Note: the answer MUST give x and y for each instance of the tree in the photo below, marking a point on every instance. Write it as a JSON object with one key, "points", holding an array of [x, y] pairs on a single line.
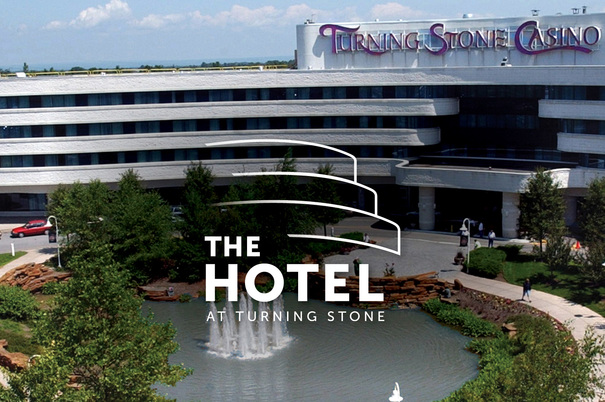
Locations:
{"points": [[137, 223], [592, 213], [542, 207], [140, 228], [95, 332], [540, 363], [558, 251], [199, 215], [200, 218], [591, 262], [276, 220], [82, 211], [324, 190]]}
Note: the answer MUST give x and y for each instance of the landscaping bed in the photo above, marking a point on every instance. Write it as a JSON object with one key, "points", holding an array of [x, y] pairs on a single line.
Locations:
{"points": [[497, 309]]}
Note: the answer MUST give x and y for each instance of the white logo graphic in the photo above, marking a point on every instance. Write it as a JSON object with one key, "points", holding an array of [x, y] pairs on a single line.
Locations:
{"points": [[314, 203]]}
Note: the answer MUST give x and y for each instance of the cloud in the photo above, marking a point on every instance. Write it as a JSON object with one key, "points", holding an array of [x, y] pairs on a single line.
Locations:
{"points": [[155, 21], [93, 16], [54, 25], [246, 16], [238, 16], [394, 11]]}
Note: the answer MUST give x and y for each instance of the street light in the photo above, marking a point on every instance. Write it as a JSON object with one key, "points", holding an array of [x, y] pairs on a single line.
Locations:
{"points": [[58, 244], [464, 240]]}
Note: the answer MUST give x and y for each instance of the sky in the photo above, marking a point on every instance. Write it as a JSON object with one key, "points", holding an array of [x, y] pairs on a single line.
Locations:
{"points": [[130, 33]]}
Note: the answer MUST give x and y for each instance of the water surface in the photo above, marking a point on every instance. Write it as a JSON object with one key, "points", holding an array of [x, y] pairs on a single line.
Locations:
{"points": [[325, 361]]}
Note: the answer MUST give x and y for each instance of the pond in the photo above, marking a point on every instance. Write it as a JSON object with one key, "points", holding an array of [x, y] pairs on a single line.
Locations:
{"points": [[331, 356]]}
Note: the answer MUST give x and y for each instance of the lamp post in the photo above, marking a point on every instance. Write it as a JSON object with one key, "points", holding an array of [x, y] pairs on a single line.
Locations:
{"points": [[58, 244], [465, 240]]}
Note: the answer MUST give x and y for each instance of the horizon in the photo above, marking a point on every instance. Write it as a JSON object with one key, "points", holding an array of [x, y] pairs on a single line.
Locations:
{"points": [[126, 64]]}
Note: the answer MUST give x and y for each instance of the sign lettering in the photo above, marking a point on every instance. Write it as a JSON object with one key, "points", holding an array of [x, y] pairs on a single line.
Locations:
{"points": [[529, 38]]}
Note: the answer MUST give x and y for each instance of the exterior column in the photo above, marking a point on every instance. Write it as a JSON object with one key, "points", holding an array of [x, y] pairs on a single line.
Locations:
{"points": [[571, 204], [361, 199], [426, 208], [510, 214]]}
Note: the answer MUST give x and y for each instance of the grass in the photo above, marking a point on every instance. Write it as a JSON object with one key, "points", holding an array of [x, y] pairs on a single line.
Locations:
{"points": [[8, 257], [568, 284], [18, 337]]}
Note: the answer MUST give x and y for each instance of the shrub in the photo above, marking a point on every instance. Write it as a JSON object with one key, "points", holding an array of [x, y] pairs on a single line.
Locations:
{"points": [[538, 364], [16, 303], [322, 248], [51, 288], [185, 298], [512, 251], [485, 262], [353, 236], [466, 320]]}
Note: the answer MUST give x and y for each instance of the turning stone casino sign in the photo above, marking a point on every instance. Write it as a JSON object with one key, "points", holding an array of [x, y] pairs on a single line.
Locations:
{"points": [[528, 38]]}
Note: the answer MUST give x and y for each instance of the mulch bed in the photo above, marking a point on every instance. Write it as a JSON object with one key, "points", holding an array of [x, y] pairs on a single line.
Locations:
{"points": [[498, 309]]}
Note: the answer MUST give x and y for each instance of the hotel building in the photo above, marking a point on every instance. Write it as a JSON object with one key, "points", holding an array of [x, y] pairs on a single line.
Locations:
{"points": [[447, 118]]}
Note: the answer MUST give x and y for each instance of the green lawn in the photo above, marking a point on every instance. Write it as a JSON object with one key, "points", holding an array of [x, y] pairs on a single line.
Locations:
{"points": [[569, 284], [7, 257]]}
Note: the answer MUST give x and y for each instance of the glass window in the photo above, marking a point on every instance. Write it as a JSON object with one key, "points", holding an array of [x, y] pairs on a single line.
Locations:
{"points": [[72, 159], [251, 94], [179, 155]]}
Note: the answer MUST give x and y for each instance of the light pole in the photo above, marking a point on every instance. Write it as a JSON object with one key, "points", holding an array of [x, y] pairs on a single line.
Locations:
{"points": [[58, 244], [466, 233]]}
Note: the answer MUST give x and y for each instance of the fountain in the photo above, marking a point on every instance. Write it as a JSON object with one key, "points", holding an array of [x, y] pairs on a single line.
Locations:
{"points": [[248, 332]]}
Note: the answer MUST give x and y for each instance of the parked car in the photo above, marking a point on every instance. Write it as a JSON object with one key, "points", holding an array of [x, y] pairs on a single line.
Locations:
{"points": [[32, 228]]}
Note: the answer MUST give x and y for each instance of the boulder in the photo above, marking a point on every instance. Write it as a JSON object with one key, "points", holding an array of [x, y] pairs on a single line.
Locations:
{"points": [[13, 361]]}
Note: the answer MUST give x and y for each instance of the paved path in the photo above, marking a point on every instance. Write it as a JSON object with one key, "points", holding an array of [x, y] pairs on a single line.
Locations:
{"points": [[431, 251], [36, 256]]}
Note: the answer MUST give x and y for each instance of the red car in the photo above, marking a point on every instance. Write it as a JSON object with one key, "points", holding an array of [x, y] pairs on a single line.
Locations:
{"points": [[32, 228]]}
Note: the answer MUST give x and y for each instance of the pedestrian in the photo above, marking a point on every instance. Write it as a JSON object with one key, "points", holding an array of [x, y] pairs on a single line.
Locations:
{"points": [[366, 238], [526, 289], [477, 244], [356, 263], [481, 230], [490, 238]]}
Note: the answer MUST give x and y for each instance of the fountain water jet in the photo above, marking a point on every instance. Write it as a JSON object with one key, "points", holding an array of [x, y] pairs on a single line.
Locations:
{"points": [[248, 333]]}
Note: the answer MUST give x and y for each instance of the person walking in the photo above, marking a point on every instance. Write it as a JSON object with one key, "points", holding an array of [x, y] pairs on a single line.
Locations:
{"points": [[526, 289], [490, 238], [356, 263]]}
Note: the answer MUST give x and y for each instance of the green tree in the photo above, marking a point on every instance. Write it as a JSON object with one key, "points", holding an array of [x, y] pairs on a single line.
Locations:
{"points": [[558, 251], [542, 207], [324, 190], [82, 211], [590, 262], [276, 220], [592, 213], [539, 364], [200, 218], [95, 332], [137, 223], [140, 228]]}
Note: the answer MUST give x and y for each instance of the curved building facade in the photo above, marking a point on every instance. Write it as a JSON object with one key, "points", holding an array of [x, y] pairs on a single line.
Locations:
{"points": [[446, 118]]}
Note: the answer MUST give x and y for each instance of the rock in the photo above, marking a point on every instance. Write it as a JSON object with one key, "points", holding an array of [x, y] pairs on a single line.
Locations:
{"points": [[13, 361], [33, 276]]}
